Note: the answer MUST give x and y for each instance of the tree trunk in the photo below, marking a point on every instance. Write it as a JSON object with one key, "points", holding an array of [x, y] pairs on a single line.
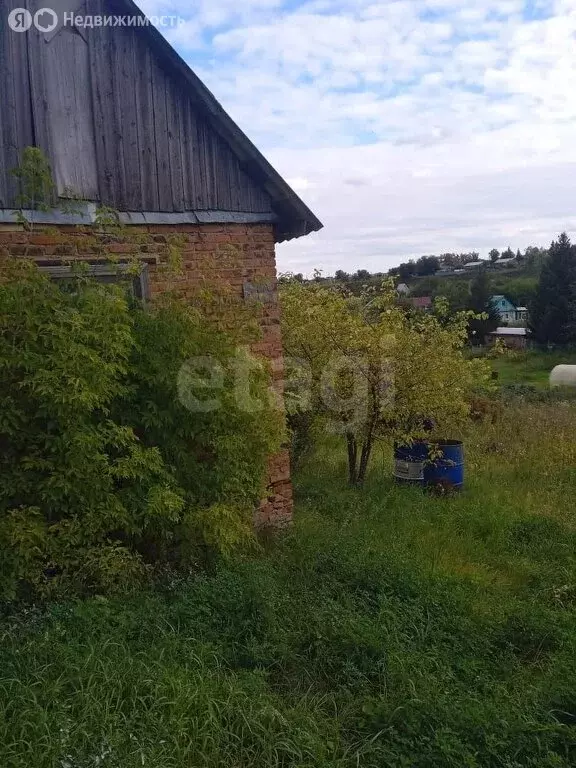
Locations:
{"points": [[352, 458], [367, 445], [364, 459]]}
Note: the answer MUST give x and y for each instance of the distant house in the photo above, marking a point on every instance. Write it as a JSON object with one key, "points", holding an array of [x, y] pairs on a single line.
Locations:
{"points": [[421, 302], [403, 289], [472, 265], [513, 338], [509, 313]]}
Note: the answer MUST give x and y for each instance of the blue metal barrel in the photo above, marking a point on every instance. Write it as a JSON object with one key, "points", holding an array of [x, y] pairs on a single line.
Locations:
{"points": [[409, 462], [448, 469]]}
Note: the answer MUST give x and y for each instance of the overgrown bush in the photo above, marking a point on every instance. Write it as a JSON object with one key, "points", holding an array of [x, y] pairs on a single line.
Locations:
{"points": [[105, 465], [375, 372], [301, 428]]}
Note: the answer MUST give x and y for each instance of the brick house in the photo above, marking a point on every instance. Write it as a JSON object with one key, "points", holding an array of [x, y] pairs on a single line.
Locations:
{"points": [[125, 123]]}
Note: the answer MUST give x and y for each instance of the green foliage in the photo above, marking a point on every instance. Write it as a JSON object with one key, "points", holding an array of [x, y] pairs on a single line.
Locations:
{"points": [[217, 438], [520, 290], [553, 310], [376, 371], [37, 189], [427, 265], [102, 467], [107, 219], [487, 318], [388, 629], [301, 425]]}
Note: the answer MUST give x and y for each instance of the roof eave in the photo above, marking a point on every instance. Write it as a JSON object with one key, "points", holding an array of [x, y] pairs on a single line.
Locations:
{"points": [[291, 209]]}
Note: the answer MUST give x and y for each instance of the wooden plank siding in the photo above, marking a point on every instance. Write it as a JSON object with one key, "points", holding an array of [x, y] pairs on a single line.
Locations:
{"points": [[15, 107], [71, 126], [148, 171], [103, 108], [119, 126]]}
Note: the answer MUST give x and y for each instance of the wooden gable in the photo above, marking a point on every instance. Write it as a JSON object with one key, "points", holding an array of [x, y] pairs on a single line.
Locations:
{"points": [[125, 123]]}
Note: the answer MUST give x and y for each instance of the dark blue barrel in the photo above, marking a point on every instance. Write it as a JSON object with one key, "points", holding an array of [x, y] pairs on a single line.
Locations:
{"points": [[448, 469], [409, 462]]}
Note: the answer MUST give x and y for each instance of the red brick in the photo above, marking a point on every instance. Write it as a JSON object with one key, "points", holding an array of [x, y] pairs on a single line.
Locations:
{"points": [[121, 248], [44, 240]]}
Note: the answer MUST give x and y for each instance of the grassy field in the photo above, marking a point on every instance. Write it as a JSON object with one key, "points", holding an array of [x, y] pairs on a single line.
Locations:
{"points": [[388, 629], [532, 367]]}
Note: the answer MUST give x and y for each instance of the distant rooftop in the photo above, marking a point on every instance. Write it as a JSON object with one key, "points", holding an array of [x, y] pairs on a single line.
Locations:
{"points": [[421, 302], [506, 331]]}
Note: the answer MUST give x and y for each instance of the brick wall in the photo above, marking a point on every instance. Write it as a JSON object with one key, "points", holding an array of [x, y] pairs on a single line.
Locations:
{"points": [[212, 254]]}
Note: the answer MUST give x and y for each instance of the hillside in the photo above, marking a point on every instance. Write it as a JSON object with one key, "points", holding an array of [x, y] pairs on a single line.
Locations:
{"points": [[517, 281], [517, 284]]}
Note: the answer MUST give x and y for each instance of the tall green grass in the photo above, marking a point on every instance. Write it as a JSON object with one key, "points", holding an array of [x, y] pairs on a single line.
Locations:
{"points": [[531, 367], [388, 628]]}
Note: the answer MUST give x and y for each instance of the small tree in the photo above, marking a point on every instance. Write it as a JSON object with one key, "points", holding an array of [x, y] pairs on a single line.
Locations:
{"points": [[406, 270], [374, 371], [494, 255], [553, 310], [427, 265], [535, 257]]}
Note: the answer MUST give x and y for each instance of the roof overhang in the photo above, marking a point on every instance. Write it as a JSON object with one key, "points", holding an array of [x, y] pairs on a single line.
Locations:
{"points": [[295, 219]]}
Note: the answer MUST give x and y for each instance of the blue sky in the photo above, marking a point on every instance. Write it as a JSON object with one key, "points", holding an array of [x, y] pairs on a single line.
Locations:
{"points": [[410, 127]]}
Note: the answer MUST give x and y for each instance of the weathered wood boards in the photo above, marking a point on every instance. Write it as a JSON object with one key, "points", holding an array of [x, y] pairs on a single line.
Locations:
{"points": [[116, 124]]}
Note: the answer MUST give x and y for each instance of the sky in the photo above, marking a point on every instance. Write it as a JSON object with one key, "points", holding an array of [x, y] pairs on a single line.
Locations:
{"points": [[409, 127]]}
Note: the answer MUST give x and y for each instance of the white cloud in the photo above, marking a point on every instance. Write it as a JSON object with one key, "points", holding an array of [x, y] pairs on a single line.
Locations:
{"points": [[409, 126]]}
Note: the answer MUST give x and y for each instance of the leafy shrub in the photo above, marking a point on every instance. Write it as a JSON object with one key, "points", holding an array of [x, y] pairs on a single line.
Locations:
{"points": [[301, 426], [376, 372], [103, 466]]}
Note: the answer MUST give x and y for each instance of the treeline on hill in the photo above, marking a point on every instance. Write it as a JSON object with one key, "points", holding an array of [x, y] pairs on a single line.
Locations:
{"points": [[449, 263], [514, 275], [544, 280], [453, 262]]}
